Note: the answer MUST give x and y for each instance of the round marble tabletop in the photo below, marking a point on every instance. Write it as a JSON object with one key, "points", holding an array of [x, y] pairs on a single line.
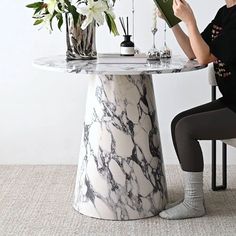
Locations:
{"points": [[174, 65]]}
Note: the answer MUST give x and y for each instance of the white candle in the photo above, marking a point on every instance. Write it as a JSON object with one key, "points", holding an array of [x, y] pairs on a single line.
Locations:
{"points": [[154, 17]]}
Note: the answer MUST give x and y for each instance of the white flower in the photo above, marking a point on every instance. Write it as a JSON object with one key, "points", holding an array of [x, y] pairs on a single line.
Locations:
{"points": [[93, 10], [53, 6], [46, 22]]}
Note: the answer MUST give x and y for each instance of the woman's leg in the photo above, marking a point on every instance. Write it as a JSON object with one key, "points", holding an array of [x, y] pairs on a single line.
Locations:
{"points": [[215, 105], [205, 107], [209, 121]]}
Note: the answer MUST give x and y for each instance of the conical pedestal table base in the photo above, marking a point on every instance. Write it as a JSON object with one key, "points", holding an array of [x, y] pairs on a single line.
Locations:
{"points": [[120, 173]]}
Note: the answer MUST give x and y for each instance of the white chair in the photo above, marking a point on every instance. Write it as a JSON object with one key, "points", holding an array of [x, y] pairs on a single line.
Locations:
{"points": [[231, 142]]}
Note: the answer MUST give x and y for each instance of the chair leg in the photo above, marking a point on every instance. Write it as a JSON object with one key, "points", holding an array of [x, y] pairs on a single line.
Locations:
{"points": [[224, 159], [224, 167], [213, 153]]}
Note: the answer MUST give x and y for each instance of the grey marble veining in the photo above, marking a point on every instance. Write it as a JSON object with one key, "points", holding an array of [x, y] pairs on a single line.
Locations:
{"points": [[174, 65], [120, 172]]}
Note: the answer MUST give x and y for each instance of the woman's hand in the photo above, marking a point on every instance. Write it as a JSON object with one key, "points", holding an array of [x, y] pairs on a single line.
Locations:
{"points": [[183, 11]]}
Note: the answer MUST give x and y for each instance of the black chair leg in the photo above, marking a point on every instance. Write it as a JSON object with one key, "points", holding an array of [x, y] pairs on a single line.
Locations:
{"points": [[224, 159], [224, 167]]}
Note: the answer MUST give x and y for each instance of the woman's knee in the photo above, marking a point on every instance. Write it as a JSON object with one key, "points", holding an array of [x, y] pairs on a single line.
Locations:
{"points": [[176, 120], [183, 127]]}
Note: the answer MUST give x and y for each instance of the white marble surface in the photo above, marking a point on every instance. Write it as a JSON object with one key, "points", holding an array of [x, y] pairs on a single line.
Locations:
{"points": [[174, 65], [120, 172]]}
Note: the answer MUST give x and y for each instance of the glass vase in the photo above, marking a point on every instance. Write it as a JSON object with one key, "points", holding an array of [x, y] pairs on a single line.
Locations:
{"points": [[81, 44]]}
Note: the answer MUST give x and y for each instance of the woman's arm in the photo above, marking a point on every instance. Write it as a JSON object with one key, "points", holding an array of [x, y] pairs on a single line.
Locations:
{"points": [[199, 47], [181, 38], [183, 41]]}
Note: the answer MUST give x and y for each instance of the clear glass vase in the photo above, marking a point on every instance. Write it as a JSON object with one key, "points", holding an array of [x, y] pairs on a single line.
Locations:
{"points": [[81, 44]]}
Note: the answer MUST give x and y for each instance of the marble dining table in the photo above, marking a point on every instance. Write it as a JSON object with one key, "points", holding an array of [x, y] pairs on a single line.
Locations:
{"points": [[120, 173]]}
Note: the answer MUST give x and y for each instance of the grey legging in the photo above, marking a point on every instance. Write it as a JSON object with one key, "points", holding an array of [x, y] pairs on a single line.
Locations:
{"points": [[210, 121]]}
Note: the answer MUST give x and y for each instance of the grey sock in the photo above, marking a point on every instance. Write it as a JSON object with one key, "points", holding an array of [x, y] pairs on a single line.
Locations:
{"points": [[172, 204], [193, 204]]}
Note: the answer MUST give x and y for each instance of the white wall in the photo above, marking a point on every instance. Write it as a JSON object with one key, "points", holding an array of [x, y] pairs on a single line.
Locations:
{"points": [[41, 112]]}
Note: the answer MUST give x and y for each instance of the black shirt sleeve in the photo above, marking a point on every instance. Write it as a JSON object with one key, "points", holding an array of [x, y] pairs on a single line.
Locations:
{"points": [[206, 34], [224, 46]]}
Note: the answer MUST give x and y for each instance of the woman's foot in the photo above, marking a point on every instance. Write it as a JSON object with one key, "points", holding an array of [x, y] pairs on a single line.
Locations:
{"points": [[170, 205], [193, 204], [183, 210]]}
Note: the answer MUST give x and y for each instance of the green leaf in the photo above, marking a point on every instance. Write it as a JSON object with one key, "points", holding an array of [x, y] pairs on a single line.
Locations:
{"points": [[74, 13], [60, 21], [37, 22], [111, 24], [54, 14], [37, 10], [68, 4], [35, 5]]}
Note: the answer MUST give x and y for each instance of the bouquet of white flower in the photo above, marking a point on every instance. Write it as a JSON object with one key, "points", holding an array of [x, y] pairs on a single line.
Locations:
{"points": [[81, 18], [99, 10]]}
